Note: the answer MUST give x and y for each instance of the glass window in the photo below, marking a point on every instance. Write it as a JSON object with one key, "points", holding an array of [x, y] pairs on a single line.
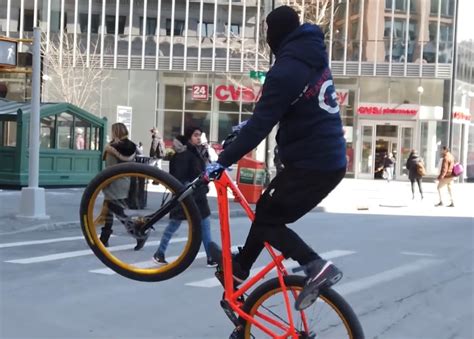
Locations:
{"points": [[8, 130], [433, 136], [231, 106], [172, 125], [150, 26], [82, 134], [56, 21], [234, 29], [47, 132], [65, 130], [248, 107], [83, 22], [28, 18], [95, 139], [178, 27], [110, 24], [197, 104], [173, 97], [226, 121], [207, 29], [201, 120]]}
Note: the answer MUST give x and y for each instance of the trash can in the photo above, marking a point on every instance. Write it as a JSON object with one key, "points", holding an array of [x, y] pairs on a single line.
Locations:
{"points": [[137, 195], [250, 178]]}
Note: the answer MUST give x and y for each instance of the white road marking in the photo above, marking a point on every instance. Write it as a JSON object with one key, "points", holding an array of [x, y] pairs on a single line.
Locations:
{"points": [[73, 254], [150, 263], [38, 242], [289, 264], [385, 276], [417, 254]]}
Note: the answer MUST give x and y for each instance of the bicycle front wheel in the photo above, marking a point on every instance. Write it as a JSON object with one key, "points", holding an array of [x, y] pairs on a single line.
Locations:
{"points": [[329, 317], [115, 208]]}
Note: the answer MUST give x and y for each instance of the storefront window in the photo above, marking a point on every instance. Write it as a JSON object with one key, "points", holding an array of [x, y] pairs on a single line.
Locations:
{"points": [[231, 106], [226, 121], [173, 97], [457, 140], [65, 130], [201, 120], [47, 132], [172, 125], [433, 137], [8, 130]]}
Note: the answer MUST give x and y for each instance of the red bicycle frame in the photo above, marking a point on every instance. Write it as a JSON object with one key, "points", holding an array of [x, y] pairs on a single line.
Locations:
{"points": [[231, 295]]}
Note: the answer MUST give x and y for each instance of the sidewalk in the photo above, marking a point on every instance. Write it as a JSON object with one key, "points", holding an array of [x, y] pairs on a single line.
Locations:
{"points": [[350, 197]]}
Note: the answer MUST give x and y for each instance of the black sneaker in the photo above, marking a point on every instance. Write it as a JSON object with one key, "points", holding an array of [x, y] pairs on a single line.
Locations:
{"points": [[451, 205], [211, 263], [439, 204], [321, 274], [239, 274], [159, 258]]}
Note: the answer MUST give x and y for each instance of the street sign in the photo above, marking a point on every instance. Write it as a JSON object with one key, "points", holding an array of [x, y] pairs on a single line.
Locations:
{"points": [[8, 52], [260, 75], [200, 92], [124, 115]]}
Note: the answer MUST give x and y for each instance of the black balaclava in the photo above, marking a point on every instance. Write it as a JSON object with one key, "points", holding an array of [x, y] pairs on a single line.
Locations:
{"points": [[281, 22]]}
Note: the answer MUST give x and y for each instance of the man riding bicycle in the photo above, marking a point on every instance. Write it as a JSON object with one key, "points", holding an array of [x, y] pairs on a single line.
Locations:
{"points": [[298, 94]]}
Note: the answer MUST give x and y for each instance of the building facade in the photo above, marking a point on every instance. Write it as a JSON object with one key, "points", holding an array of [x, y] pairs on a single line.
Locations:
{"points": [[175, 63]]}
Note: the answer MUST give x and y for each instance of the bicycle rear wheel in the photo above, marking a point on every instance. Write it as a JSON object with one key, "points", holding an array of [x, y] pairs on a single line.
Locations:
{"points": [[119, 202], [329, 317]]}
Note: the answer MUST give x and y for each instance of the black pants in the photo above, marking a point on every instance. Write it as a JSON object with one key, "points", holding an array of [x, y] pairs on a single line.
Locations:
{"points": [[290, 195], [418, 181], [113, 207]]}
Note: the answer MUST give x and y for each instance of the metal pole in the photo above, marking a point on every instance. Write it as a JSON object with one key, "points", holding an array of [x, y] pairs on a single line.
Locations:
{"points": [[453, 75], [33, 172], [33, 202]]}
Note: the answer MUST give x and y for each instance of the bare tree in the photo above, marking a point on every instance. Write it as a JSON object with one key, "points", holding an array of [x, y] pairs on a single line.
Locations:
{"points": [[310, 11], [71, 76]]}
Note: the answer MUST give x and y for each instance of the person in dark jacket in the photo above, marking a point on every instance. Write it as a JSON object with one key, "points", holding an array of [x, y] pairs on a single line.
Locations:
{"points": [[120, 149], [388, 166], [299, 94], [186, 165], [412, 166]]}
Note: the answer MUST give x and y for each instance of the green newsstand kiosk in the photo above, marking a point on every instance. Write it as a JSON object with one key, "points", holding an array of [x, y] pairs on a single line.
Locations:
{"points": [[71, 144]]}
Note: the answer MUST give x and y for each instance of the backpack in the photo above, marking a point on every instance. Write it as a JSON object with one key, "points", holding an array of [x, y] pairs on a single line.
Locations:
{"points": [[457, 169], [420, 169]]}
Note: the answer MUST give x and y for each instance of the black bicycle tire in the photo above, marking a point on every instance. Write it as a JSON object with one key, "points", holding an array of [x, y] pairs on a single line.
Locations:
{"points": [[343, 308], [188, 204]]}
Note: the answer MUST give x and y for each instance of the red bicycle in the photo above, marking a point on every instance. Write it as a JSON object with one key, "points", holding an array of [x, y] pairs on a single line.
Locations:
{"points": [[257, 310]]}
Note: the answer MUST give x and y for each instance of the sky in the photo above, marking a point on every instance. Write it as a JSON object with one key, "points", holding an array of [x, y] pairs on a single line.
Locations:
{"points": [[465, 25]]}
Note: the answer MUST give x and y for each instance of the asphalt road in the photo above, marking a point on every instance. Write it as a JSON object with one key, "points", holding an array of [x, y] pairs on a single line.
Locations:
{"points": [[405, 277]]}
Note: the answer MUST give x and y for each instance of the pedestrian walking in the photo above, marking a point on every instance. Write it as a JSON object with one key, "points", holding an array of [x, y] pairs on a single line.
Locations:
{"points": [[119, 150], [416, 171], [185, 165], [445, 177], [157, 148], [140, 148], [388, 166]]}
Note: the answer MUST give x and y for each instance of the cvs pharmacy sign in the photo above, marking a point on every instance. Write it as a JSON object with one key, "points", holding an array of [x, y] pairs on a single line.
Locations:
{"points": [[235, 93]]}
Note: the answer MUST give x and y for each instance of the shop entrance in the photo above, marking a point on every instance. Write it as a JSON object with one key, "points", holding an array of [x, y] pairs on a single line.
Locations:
{"points": [[379, 138]]}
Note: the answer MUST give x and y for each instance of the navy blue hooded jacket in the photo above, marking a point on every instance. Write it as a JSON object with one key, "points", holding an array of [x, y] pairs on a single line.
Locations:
{"points": [[310, 134]]}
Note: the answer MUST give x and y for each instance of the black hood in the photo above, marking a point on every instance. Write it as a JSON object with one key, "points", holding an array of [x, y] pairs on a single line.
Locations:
{"points": [[306, 43]]}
